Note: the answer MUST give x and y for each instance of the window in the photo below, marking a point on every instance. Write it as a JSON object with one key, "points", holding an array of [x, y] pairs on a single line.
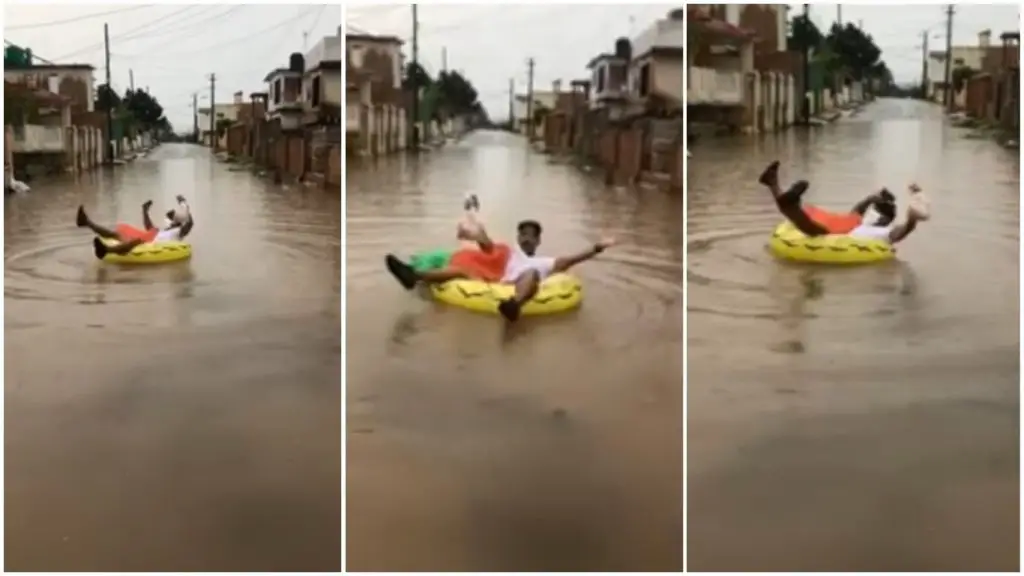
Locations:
{"points": [[644, 82], [315, 96], [602, 71]]}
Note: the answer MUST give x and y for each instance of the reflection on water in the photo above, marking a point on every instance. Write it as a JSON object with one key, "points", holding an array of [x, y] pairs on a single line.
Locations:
{"points": [[833, 413], [555, 445], [173, 417]]}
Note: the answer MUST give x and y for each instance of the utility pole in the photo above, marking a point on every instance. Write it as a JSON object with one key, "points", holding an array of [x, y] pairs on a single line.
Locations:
{"points": [[195, 116], [839, 14], [415, 132], [213, 113], [110, 109], [924, 65], [444, 58], [511, 100], [529, 99], [131, 80], [807, 69], [947, 94]]}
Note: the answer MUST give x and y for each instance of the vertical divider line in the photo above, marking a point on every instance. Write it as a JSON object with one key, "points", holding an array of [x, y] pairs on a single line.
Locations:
{"points": [[686, 154], [344, 289]]}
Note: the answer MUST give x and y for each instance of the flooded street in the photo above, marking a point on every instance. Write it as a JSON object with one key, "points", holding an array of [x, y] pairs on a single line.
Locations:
{"points": [[858, 419], [180, 417], [553, 445]]}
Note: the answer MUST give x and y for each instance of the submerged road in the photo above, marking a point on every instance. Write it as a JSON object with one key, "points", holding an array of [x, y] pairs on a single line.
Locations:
{"points": [[182, 417], [861, 419], [555, 445]]}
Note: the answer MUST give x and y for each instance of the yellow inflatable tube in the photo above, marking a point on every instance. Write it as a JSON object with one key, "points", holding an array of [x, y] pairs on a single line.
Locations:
{"points": [[155, 253], [557, 293], [789, 243]]}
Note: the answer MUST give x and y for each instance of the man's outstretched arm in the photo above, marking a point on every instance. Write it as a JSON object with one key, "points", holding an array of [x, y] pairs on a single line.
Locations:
{"points": [[564, 263]]}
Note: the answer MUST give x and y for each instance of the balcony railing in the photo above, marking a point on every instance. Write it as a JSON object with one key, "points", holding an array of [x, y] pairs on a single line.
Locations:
{"points": [[33, 138], [718, 87]]}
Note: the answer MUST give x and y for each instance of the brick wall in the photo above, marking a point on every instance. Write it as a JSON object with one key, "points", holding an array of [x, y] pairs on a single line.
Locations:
{"points": [[761, 19]]}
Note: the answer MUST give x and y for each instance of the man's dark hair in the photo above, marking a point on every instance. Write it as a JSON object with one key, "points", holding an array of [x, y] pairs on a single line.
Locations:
{"points": [[529, 225]]}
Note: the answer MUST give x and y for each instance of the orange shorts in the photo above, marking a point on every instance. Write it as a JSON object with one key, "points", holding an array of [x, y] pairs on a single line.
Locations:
{"points": [[834, 222], [128, 232], [486, 266]]}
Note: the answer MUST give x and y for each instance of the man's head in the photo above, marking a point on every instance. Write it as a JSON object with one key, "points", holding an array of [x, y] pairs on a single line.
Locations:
{"points": [[180, 219], [529, 236], [886, 213]]}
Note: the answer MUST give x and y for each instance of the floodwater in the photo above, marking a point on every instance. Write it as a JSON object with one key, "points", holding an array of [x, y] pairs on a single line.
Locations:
{"points": [[182, 417], [554, 445], [861, 419]]}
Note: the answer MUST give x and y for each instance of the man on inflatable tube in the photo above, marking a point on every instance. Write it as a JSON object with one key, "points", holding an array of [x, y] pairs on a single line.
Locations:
{"points": [[491, 261], [814, 221], [179, 224]]}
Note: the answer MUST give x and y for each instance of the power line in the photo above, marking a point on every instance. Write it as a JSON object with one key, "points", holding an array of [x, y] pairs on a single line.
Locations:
{"points": [[249, 36], [135, 31], [77, 18], [197, 28]]}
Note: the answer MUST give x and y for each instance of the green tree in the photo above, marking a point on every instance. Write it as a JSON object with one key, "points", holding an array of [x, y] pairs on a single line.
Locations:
{"points": [[106, 98], [960, 76], [145, 110], [803, 33], [415, 73], [855, 50]]}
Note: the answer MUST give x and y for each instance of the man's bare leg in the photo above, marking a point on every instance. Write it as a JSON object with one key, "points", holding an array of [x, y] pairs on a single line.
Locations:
{"points": [[147, 223], [409, 277], [788, 202], [526, 287], [83, 221]]}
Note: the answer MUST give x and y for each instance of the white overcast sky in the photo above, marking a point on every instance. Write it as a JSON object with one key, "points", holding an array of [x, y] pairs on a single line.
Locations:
{"points": [[175, 47], [897, 28], [491, 43]]}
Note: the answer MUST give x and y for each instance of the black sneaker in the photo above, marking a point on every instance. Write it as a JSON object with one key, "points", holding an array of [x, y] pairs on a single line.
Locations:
{"points": [[402, 272], [770, 176], [99, 248], [81, 219], [509, 309]]}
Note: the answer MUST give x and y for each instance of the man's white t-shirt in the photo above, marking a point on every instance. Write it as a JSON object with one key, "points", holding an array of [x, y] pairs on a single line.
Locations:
{"points": [[867, 232], [170, 235], [519, 263]]}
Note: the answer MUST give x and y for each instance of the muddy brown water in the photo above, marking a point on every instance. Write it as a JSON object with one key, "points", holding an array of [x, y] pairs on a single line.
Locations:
{"points": [[555, 445], [178, 417], [864, 418]]}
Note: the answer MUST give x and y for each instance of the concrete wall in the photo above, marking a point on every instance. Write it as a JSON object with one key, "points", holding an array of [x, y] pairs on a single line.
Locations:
{"points": [[32, 138], [330, 84], [328, 49], [667, 76]]}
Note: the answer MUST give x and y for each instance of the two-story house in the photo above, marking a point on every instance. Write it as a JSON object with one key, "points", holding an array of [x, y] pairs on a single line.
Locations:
{"points": [[739, 71], [321, 82], [284, 93], [657, 61], [376, 115]]}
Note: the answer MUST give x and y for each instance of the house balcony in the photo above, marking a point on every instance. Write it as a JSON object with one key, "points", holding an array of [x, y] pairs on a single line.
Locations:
{"points": [[708, 86], [31, 138]]}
